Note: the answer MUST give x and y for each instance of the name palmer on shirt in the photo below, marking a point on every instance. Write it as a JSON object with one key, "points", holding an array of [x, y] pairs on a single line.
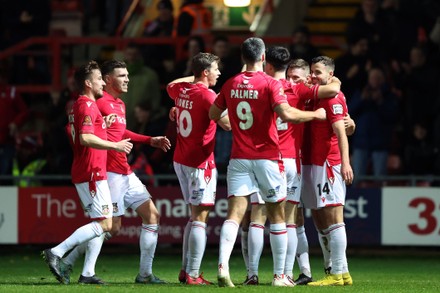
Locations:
{"points": [[244, 94]]}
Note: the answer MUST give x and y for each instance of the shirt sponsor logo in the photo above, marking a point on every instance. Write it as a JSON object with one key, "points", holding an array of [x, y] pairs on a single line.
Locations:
{"points": [[88, 208], [273, 192], [198, 193]]}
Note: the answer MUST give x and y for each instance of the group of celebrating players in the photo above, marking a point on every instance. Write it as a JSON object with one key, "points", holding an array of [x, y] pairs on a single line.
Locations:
{"points": [[290, 151]]}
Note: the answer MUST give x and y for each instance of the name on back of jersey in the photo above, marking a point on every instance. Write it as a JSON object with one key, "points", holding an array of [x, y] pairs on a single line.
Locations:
{"points": [[186, 104], [244, 94]]}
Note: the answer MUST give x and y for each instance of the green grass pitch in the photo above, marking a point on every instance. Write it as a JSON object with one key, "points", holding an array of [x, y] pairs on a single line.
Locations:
{"points": [[23, 270]]}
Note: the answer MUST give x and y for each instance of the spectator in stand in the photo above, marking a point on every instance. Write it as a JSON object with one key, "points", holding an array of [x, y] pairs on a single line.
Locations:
{"points": [[230, 64], [194, 19], [415, 21], [353, 65], [375, 109], [24, 19], [373, 22], [144, 86], [301, 47], [13, 114], [418, 81], [420, 152], [193, 46], [436, 134], [114, 13], [158, 56], [57, 143], [160, 162], [29, 159]]}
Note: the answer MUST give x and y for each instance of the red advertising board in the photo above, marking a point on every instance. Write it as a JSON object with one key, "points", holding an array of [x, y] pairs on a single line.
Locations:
{"points": [[50, 214]]}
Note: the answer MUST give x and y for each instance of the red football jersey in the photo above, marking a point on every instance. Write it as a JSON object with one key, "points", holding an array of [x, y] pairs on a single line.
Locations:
{"points": [[195, 131], [89, 164], [116, 161], [250, 98], [324, 144], [290, 135]]}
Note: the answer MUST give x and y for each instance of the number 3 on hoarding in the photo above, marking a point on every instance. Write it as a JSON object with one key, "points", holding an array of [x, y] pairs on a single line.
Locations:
{"points": [[427, 214]]}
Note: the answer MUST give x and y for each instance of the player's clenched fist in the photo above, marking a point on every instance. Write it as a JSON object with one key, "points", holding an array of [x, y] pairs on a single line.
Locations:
{"points": [[320, 114]]}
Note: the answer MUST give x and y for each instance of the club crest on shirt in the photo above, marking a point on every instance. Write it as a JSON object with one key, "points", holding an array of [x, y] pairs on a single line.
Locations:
{"points": [[105, 209], [337, 109], [87, 121]]}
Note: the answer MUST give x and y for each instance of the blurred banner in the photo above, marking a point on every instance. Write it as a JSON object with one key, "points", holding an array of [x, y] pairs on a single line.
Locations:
{"points": [[388, 216]]}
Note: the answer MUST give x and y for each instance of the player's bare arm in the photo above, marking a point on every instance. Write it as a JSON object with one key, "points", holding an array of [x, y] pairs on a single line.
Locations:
{"points": [[224, 121], [350, 125], [215, 113], [329, 90], [346, 170], [160, 142], [291, 114], [91, 140], [172, 114]]}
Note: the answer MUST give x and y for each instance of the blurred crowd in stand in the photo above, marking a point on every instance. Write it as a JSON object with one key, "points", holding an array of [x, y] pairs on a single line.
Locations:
{"points": [[389, 72]]}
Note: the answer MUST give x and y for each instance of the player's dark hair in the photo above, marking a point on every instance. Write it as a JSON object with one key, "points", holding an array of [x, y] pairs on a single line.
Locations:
{"points": [[252, 49], [84, 73], [327, 61], [202, 61], [109, 66], [278, 57]]}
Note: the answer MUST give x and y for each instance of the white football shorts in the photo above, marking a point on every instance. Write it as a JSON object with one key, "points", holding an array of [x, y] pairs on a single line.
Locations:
{"points": [[95, 199], [198, 186], [322, 186], [127, 191], [265, 177]]}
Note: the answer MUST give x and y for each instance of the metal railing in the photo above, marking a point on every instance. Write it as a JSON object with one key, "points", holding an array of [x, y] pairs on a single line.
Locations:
{"points": [[55, 45]]}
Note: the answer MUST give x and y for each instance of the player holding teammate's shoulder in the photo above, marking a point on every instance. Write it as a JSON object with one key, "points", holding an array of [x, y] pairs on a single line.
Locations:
{"points": [[194, 156]]}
